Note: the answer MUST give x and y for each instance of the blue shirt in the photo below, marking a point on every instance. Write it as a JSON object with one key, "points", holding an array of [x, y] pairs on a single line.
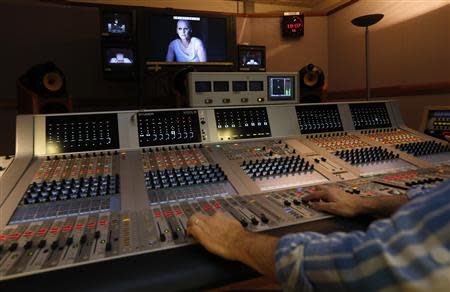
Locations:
{"points": [[408, 252]]}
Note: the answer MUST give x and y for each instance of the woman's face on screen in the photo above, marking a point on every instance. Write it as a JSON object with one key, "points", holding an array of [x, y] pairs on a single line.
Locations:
{"points": [[183, 29]]}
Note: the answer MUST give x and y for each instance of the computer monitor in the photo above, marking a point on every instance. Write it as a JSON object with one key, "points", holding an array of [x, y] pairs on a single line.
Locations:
{"points": [[117, 24], [177, 37], [251, 58]]}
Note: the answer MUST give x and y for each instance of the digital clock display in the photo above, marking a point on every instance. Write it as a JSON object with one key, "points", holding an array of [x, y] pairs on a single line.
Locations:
{"points": [[293, 25]]}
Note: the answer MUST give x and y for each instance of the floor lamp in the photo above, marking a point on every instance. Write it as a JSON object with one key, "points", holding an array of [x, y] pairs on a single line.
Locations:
{"points": [[366, 21]]}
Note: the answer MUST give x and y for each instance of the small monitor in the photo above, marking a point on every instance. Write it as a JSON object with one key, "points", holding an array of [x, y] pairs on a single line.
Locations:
{"points": [[252, 58], [119, 62], [117, 24], [281, 88], [118, 58]]}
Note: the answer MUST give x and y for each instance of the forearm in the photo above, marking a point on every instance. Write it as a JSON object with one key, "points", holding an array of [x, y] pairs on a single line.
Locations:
{"points": [[258, 252], [381, 206]]}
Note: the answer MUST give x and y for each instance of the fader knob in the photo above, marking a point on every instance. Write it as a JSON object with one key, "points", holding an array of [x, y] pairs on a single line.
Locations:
{"points": [[69, 241], [13, 247], [28, 245], [254, 221], [264, 219], [244, 222], [108, 246], [42, 243], [54, 245], [83, 239]]}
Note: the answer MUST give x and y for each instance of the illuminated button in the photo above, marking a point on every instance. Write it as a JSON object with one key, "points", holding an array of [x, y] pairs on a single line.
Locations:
{"points": [[208, 100], [244, 99], [226, 100], [260, 99]]}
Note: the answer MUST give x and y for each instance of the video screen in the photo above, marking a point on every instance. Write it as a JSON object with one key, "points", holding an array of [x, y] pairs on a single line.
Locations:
{"points": [[281, 88], [117, 23], [77, 133], [168, 128], [242, 123], [181, 38], [119, 56]]}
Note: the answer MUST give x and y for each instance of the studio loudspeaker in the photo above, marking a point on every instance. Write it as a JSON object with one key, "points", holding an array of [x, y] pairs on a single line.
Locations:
{"points": [[312, 80], [42, 90]]}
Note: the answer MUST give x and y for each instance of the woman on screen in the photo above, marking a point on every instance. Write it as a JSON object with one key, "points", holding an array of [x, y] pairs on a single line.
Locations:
{"points": [[185, 48]]}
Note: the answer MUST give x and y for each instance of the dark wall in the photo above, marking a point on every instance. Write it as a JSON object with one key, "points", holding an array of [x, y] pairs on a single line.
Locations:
{"points": [[67, 35]]}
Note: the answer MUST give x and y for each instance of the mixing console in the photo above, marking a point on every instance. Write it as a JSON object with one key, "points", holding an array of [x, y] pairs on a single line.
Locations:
{"points": [[436, 121], [427, 149], [71, 185], [367, 159], [391, 136], [85, 188], [178, 173]]}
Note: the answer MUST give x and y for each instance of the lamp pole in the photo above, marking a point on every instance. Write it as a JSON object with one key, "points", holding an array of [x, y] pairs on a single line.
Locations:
{"points": [[366, 21]]}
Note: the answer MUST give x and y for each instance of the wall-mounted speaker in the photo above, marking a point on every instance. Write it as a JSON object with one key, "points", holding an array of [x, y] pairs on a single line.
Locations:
{"points": [[42, 90], [312, 80]]}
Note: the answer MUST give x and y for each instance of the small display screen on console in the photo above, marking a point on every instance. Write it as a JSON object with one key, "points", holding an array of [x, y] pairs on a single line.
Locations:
{"points": [[76, 133], [281, 88], [168, 128], [242, 123], [370, 115], [318, 118]]}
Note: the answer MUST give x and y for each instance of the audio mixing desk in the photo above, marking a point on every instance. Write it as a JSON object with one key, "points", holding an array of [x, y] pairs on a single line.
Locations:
{"points": [[92, 192]]}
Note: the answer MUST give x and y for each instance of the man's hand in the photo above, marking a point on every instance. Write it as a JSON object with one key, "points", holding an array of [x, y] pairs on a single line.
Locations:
{"points": [[338, 202], [224, 236], [334, 201], [219, 233]]}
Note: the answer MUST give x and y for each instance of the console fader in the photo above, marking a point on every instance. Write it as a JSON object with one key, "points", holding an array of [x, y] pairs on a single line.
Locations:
{"points": [[92, 187]]}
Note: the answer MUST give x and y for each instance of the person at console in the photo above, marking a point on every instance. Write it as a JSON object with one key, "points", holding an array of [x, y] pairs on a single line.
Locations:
{"points": [[409, 250], [186, 48]]}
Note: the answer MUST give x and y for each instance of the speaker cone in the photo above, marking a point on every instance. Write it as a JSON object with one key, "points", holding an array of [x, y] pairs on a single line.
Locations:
{"points": [[52, 81]]}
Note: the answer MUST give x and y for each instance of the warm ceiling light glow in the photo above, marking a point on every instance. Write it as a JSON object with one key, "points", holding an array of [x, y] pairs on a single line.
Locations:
{"points": [[395, 11]]}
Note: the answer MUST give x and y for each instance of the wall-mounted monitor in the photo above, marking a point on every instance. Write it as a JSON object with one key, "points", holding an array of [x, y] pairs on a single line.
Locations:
{"points": [[117, 24], [251, 58], [281, 88], [119, 61], [175, 37]]}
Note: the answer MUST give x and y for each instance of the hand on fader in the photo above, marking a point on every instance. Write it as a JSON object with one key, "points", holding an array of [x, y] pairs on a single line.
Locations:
{"points": [[333, 200], [219, 233]]}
